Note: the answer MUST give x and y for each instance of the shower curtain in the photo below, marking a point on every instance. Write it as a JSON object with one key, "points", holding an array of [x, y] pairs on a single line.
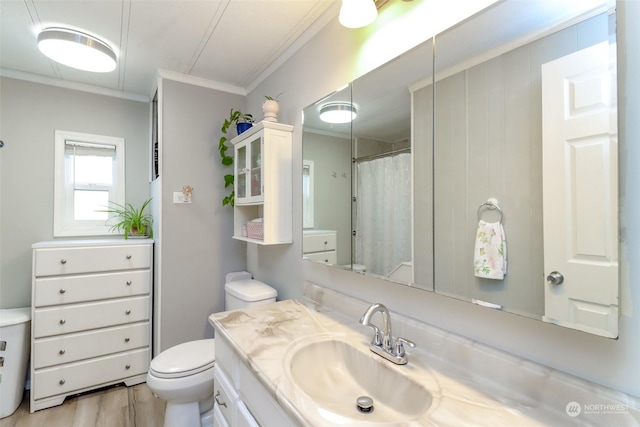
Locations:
{"points": [[383, 218]]}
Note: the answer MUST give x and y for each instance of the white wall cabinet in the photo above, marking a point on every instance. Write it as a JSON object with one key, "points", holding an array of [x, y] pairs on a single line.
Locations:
{"points": [[240, 399], [91, 307], [263, 183]]}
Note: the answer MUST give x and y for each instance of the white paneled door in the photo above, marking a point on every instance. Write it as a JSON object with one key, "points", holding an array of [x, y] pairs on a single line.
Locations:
{"points": [[580, 187]]}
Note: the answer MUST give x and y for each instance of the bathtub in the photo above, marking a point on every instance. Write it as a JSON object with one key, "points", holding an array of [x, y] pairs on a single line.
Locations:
{"points": [[14, 357]]}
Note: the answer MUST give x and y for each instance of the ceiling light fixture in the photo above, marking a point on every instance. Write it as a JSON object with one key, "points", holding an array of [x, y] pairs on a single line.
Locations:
{"points": [[77, 50], [338, 112], [357, 13]]}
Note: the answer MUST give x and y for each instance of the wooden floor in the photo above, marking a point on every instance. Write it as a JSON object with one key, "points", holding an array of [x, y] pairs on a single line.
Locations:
{"points": [[118, 406]]}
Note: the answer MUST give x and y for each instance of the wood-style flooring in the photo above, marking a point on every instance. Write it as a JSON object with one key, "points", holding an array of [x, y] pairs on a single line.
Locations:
{"points": [[118, 406]]}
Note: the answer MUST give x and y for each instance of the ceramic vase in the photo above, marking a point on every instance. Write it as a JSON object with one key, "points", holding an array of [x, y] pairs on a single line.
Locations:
{"points": [[270, 109]]}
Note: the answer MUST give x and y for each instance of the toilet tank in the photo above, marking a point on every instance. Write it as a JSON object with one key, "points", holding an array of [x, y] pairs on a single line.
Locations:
{"points": [[248, 293]]}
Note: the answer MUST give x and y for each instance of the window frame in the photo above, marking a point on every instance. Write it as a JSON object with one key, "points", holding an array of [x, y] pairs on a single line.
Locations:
{"points": [[308, 212], [64, 225]]}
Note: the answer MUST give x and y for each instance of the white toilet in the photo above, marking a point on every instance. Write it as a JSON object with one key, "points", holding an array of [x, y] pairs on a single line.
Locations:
{"points": [[183, 374]]}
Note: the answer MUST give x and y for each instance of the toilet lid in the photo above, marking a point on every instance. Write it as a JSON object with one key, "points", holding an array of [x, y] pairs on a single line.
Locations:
{"points": [[184, 359], [250, 290]]}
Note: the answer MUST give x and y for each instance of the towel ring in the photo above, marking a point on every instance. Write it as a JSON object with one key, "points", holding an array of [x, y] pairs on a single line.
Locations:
{"points": [[490, 204]]}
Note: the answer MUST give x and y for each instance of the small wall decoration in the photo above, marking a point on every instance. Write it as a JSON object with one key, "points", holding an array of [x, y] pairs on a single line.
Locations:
{"points": [[187, 191]]}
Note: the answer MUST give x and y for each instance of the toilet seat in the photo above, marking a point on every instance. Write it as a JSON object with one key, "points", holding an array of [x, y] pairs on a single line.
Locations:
{"points": [[184, 359]]}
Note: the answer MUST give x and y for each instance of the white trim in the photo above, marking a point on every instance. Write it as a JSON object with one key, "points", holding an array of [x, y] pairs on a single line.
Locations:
{"points": [[199, 81], [67, 84], [63, 224], [309, 164]]}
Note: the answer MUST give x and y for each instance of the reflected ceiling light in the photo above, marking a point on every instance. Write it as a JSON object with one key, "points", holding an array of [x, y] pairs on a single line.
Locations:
{"points": [[338, 112], [77, 50], [357, 13]]}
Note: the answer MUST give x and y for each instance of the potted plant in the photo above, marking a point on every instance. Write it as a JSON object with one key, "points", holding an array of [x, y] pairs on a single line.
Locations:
{"points": [[134, 222], [243, 121], [270, 108]]}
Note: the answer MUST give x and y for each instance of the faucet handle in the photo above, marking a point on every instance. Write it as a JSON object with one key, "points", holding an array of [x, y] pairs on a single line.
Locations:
{"points": [[377, 335], [398, 347]]}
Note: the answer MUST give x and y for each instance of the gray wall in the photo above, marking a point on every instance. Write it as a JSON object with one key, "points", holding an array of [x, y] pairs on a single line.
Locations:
{"points": [[332, 155], [195, 249], [328, 61], [29, 115]]}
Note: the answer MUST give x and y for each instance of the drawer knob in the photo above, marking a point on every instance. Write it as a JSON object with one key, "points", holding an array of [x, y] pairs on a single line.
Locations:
{"points": [[62, 291], [62, 321], [63, 261], [128, 256], [127, 339], [128, 282], [127, 367], [218, 399], [127, 312], [61, 382], [62, 351]]}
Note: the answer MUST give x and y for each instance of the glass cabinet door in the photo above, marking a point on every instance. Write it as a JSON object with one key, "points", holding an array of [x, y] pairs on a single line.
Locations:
{"points": [[241, 173], [256, 168]]}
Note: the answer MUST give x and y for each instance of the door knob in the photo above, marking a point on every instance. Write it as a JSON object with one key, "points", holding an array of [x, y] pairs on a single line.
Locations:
{"points": [[555, 278]]}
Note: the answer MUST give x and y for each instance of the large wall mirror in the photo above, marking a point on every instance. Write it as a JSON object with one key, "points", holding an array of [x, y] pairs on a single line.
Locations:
{"points": [[482, 165]]}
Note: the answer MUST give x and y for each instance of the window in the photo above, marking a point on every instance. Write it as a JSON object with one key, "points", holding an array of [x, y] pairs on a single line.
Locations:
{"points": [[89, 173], [307, 194]]}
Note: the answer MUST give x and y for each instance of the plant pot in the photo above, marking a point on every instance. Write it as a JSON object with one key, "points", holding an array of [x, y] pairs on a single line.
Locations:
{"points": [[270, 109], [243, 126]]}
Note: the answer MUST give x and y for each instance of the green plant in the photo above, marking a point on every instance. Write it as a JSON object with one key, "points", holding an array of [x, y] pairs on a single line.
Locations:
{"points": [[273, 98], [235, 117], [131, 220]]}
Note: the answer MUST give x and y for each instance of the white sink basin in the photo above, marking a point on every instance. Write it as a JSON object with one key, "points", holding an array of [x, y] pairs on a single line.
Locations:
{"points": [[332, 374]]}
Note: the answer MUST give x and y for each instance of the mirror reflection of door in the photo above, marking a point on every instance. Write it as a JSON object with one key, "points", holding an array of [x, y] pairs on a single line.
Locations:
{"points": [[580, 190]]}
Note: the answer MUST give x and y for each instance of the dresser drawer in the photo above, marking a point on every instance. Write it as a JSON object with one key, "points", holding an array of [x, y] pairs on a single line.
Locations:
{"points": [[76, 376], [319, 242], [226, 398], [71, 289], [85, 345], [82, 317], [326, 257], [57, 261]]}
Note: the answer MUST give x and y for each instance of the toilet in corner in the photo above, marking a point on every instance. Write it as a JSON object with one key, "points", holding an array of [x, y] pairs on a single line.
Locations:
{"points": [[183, 374]]}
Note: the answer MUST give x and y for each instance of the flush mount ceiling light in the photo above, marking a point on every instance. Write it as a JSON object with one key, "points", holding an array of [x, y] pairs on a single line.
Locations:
{"points": [[77, 50], [338, 112], [357, 13]]}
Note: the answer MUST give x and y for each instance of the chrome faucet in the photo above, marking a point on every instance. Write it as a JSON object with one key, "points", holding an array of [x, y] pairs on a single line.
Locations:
{"points": [[383, 343]]}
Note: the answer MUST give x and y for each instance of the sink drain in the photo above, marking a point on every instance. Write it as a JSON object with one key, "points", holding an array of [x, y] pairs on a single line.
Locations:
{"points": [[364, 404]]}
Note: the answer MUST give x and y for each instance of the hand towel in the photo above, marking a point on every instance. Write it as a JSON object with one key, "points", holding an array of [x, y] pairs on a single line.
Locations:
{"points": [[490, 253]]}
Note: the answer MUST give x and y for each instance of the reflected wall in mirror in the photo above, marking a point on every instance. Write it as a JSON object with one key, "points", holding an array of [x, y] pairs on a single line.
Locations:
{"points": [[493, 138], [379, 141], [486, 132], [327, 190]]}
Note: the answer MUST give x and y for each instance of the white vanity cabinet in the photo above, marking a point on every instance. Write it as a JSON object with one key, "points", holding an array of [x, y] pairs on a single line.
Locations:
{"points": [[240, 399], [91, 316], [320, 246], [263, 184]]}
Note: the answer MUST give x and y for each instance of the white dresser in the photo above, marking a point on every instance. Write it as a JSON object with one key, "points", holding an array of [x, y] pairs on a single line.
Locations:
{"points": [[320, 246], [91, 316]]}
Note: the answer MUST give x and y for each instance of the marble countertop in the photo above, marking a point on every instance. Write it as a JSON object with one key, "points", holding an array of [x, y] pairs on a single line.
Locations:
{"points": [[503, 391]]}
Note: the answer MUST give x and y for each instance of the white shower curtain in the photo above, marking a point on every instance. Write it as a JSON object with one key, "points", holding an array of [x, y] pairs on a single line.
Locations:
{"points": [[383, 203]]}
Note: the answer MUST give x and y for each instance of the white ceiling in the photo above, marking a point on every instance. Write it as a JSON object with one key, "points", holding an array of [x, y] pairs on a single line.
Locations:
{"points": [[232, 43]]}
